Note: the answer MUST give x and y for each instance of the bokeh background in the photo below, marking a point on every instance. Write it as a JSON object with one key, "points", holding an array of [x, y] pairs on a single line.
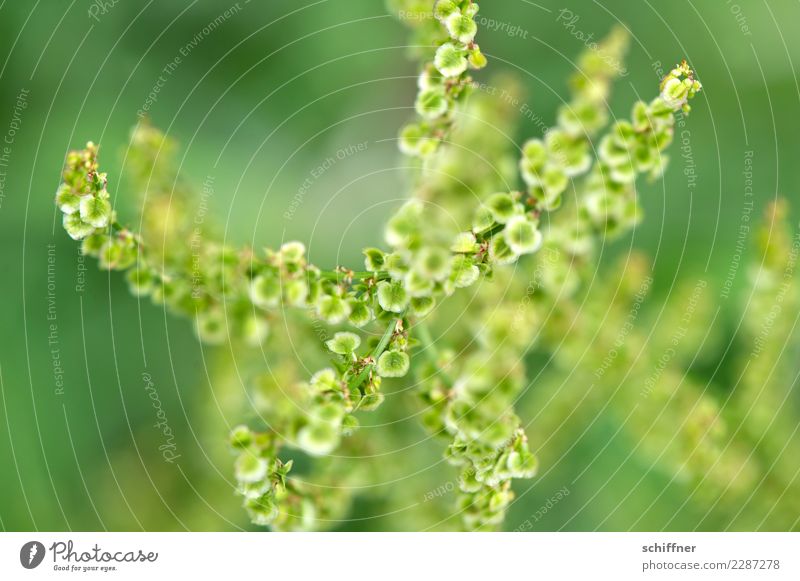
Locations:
{"points": [[257, 104]]}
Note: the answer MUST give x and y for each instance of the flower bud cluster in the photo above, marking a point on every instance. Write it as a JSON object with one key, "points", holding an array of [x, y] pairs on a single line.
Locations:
{"points": [[631, 148], [444, 82], [549, 164]]}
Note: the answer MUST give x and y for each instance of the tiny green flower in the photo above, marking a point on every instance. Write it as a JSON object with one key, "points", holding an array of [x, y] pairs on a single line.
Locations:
{"points": [[422, 306], [392, 364], [343, 343], [450, 60], [433, 263], [392, 296], [295, 291]]}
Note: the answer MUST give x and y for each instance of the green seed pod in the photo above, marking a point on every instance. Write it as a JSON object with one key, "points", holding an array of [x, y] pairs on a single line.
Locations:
{"points": [[502, 206], [431, 103], [293, 253], [477, 60], [76, 227], [464, 243], [392, 297], [392, 364], [95, 210], [483, 219], [318, 439], [360, 313], [250, 468], [344, 343], [373, 259], [444, 8], [433, 263], [140, 281], [265, 291], [67, 200], [422, 306], [349, 425], [461, 28], [333, 309], [450, 60]]}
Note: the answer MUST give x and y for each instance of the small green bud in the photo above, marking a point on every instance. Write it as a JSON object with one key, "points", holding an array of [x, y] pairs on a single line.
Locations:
{"points": [[344, 343], [255, 329], [293, 252], [500, 252], [477, 60], [95, 210], [483, 219], [140, 281], [92, 244], [392, 296], [464, 272], [241, 437], [392, 364], [450, 60], [349, 425]]}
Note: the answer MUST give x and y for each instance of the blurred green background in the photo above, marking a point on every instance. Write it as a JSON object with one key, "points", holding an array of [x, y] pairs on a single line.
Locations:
{"points": [[257, 104]]}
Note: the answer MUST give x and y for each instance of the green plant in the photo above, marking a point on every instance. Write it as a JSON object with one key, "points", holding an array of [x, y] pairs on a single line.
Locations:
{"points": [[429, 259]]}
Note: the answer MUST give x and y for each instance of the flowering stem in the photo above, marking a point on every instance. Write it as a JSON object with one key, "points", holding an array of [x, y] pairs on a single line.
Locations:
{"points": [[356, 382]]}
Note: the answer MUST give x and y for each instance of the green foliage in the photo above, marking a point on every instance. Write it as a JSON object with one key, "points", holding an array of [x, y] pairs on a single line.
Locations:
{"points": [[236, 294]]}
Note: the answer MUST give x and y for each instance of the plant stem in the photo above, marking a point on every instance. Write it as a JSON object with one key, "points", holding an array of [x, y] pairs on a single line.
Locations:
{"points": [[379, 348]]}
